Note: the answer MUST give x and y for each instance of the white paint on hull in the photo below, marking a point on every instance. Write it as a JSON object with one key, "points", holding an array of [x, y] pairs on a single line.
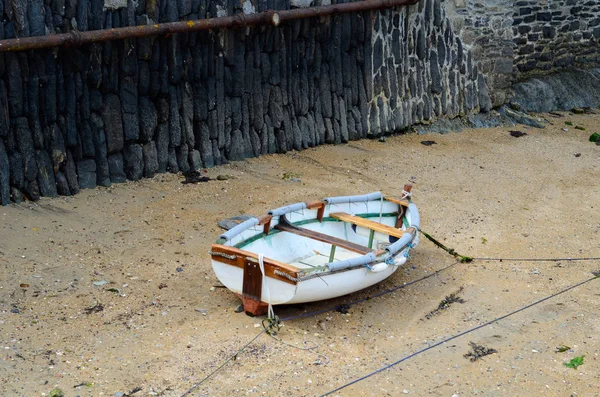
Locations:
{"points": [[339, 284], [231, 277], [318, 288]]}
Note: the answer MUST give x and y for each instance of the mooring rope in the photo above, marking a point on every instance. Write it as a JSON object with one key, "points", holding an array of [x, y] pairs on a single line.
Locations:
{"points": [[451, 251], [596, 276], [305, 348], [194, 387], [467, 259], [395, 288], [272, 325], [536, 259], [261, 265]]}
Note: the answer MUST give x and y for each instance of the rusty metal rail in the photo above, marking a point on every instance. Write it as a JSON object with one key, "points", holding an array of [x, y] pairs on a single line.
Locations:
{"points": [[270, 17]]}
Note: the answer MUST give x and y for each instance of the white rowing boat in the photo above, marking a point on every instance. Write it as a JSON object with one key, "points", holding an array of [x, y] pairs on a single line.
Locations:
{"points": [[307, 252]]}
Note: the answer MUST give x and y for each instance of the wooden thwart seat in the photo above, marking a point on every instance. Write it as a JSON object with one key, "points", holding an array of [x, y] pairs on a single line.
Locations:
{"points": [[285, 226], [375, 226]]}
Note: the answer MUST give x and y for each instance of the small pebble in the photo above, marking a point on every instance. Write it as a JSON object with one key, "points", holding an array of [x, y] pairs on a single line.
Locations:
{"points": [[322, 325], [15, 310], [179, 269], [239, 309]]}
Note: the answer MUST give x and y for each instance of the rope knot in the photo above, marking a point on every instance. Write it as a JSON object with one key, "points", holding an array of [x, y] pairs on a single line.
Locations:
{"points": [[407, 251], [272, 325]]}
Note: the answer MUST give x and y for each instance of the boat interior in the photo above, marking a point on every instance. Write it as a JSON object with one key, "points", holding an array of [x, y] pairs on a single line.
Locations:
{"points": [[309, 246]]}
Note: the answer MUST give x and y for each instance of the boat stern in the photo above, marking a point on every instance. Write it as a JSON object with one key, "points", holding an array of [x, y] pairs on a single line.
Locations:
{"points": [[241, 272]]}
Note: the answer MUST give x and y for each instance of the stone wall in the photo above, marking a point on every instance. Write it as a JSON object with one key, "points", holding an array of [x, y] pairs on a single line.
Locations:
{"points": [[103, 113], [486, 29], [420, 69], [513, 40], [551, 35]]}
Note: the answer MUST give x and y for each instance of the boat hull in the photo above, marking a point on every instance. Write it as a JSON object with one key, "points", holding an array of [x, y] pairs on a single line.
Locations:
{"points": [[338, 284], [319, 287], [306, 252]]}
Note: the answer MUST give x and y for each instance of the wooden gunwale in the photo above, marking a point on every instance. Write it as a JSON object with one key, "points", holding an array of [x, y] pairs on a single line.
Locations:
{"points": [[319, 206], [315, 205], [241, 256]]}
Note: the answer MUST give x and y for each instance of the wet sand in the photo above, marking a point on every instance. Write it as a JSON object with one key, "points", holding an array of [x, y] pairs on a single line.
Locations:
{"points": [[162, 323]]}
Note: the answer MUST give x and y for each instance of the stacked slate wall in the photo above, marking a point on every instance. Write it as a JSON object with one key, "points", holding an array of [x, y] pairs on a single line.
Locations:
{"points": [[486, 28], [103, 113], [421, 70]]}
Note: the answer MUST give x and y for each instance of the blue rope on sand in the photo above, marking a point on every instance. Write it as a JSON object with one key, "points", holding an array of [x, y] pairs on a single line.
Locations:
{"points": [[459, 335], [272, 325]]}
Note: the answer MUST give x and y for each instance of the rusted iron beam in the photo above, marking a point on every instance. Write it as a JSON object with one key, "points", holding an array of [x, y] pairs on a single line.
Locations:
{"points": [[76, 38]]}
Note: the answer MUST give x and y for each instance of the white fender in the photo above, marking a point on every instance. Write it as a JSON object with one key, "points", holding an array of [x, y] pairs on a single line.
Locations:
{"points": [[379, 267], [400, 260]]}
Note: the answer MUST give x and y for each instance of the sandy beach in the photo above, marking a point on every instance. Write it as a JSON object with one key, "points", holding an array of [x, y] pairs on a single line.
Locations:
{"points": [[112, 290]]}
